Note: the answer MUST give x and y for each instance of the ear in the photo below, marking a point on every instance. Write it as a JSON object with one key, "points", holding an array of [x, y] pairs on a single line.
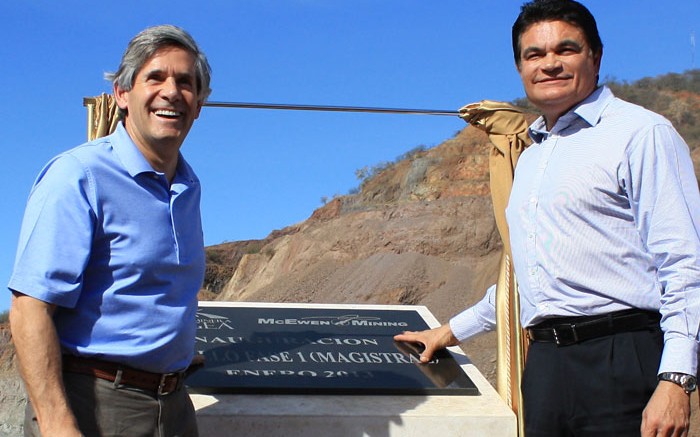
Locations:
{"points": [[122, 97], [200, 103], [598, 57]]}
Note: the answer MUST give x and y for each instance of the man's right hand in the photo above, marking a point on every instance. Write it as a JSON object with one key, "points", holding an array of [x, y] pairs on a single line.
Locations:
{"points": [[432, 340]]}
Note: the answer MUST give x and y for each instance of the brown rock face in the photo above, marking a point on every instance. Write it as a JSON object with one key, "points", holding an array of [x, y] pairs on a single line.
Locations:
{"points": [[401, 239]]}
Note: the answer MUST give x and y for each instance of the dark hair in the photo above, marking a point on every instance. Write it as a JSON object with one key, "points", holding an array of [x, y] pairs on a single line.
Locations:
{"points": [[144, 45], [568, 11]]}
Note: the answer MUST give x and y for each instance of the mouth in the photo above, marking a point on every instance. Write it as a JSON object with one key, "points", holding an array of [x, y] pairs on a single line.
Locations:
{"points": [[168, 113], [553, 79]]}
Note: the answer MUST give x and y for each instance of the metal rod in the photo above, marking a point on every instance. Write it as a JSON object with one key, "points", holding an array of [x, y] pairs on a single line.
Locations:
{"points": [[284, 106]]}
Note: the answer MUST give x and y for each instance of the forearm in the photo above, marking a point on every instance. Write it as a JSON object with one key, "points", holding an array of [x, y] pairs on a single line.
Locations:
{"points": [[39, 356]]}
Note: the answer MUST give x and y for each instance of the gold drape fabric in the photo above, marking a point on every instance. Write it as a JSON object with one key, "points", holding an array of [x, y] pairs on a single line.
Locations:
{"points": [[506, 127], [102, 115]]}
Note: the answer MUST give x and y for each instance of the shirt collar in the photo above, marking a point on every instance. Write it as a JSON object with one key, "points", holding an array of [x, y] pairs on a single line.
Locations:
{"points": [[131, 157], [589, 110], [135, 163]]}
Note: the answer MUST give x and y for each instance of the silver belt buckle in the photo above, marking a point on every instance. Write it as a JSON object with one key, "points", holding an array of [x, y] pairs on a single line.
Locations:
{"points": [[559, 341], [556, 335], [161, 384], [575, 332]]}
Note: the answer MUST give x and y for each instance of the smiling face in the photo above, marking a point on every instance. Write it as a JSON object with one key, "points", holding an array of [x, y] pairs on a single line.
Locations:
{"points": [[557, 67], [162, 103]]}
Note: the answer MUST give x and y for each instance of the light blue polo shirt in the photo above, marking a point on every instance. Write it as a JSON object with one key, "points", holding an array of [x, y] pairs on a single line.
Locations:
{"points": [[119, 251]]}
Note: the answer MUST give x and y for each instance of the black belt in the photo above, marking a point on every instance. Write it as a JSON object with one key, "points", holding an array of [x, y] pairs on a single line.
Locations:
{"points": [[571, 330]]}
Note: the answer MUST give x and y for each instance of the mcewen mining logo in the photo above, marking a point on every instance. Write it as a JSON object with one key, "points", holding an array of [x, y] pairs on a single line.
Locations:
{"points": [[344, 320]]}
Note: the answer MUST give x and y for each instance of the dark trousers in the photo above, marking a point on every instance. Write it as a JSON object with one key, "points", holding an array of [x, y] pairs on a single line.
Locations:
{"points": [[598, 387], [105, 410]]}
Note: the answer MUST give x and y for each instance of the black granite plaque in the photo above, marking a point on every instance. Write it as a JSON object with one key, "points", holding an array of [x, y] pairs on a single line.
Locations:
{"points": [[318, 351]]}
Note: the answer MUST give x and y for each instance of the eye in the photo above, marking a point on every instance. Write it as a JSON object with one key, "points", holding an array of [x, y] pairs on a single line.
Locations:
{"points": [[154, 77], [186, 82], [531, 55], [569, 49]]}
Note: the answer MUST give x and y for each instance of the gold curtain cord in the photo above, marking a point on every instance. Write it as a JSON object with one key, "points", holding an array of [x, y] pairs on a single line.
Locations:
{"points": [[507, 130]]}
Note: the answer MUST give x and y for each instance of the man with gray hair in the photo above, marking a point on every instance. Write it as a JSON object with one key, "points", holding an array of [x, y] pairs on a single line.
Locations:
{"points": [[111, 257]]}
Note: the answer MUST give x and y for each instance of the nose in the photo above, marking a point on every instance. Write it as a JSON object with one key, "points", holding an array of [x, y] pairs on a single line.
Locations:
{"points": [[551, 62], [170, 89]]}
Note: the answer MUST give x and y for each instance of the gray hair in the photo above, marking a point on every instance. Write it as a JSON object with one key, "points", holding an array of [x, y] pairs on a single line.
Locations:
{"points": [[144, 45]]}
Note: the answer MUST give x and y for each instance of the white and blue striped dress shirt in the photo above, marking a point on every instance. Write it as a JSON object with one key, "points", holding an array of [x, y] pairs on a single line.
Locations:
{"points": [[604, 216]]}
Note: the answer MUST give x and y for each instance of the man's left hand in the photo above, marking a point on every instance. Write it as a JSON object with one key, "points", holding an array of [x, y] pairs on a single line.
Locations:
{"points": [[667, 413]]}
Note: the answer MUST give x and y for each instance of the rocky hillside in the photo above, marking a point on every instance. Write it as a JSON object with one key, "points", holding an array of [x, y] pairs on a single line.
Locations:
{"points": [[439, 194], [12, 398]]}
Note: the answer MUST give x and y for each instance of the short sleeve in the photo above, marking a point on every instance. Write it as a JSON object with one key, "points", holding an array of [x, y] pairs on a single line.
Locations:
{"points": [[56, 234]]}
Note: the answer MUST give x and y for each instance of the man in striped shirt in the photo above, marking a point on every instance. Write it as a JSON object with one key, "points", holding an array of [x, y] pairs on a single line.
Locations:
{"points": [[604, 221]]}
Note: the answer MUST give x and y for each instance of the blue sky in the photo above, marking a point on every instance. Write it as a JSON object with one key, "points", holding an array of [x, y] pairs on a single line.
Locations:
{"points": [[264, 170]]}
